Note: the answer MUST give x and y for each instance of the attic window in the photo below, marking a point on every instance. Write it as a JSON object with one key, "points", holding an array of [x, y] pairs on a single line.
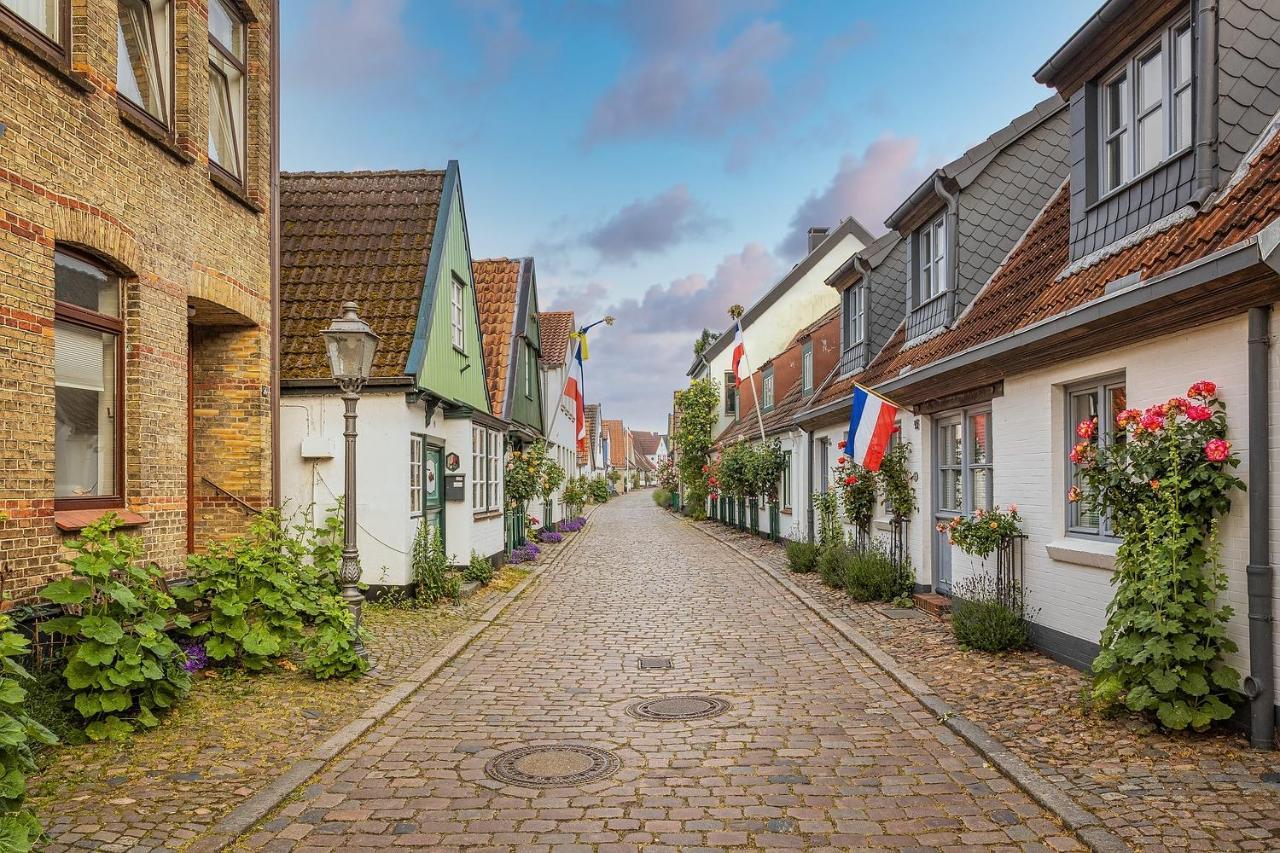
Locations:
{"points": [[855, 316], [766, 393], [457, 315], [806, 366], [931, 266]]}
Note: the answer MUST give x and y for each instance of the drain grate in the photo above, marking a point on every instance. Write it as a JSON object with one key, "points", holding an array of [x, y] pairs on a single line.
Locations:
{"points": [[552, 766], [678, 708], [656, 663]]}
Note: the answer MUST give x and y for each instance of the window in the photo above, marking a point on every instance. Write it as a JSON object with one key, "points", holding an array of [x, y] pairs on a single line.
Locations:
{"points": [[226, 89], [88, 361], [1145, 108], [45, 17], [479, 469], [528, 372], [766, 393], [495, 470], [457, 315], [784, 489], [1096, 401], [415, 474], [824, 464], [931, 245], [965, 462], [144, 56], [855, 316], [730, 394], [806, 367]]}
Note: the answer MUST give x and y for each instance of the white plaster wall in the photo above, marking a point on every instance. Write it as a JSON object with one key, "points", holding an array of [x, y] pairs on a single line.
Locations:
{"points": [[466, 531], [561, 419]]}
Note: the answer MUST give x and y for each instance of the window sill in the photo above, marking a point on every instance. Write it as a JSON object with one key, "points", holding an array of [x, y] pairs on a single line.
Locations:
{"points": [[152, 131], [233, 188], [1093, 553], [485, 516], [51, 60], [72, 520]]}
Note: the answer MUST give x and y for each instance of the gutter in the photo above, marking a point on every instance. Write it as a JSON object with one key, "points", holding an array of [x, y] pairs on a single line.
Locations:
{"points": [[1205, 158], [926, 190], [953, 228], [274, 249], [1084, 38]]}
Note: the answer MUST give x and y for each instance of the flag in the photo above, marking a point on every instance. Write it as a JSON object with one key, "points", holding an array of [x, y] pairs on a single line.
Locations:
{"points": [[870, 426], [574, 392], [739, 350]]}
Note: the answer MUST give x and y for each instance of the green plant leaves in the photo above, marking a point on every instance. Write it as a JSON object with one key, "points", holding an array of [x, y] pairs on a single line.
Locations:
{"points": [[104, 629], [67, 591]]}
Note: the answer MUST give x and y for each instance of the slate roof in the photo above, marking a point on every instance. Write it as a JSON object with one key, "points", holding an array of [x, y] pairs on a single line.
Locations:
{"points": [[362, 236], [1030, 286], [555, 326], [1248, 76], [497, 293]]}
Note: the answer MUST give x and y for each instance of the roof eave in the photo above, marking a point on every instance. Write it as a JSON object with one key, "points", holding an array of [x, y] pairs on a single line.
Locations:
{"points": [[1087, 35]]}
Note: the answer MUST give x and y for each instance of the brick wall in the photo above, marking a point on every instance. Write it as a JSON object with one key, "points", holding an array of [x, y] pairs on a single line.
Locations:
{"points": [[74, 172]]}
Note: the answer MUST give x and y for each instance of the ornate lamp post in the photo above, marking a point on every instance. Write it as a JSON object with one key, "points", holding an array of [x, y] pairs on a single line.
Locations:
{"points": [[350, 344]]}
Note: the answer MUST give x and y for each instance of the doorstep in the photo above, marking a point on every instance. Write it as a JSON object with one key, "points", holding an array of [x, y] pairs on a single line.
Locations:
{"points": [[933, 603]]}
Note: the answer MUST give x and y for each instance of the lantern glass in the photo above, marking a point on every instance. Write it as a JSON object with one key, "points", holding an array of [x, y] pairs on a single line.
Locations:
{"points": [[351, 345]]}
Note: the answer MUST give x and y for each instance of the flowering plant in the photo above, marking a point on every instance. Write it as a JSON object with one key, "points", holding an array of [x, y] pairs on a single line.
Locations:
{"points": [[550, 537], [857, 488], [523, 480], [524, 553], [981, 533], [1165, 481], [668, 477]]}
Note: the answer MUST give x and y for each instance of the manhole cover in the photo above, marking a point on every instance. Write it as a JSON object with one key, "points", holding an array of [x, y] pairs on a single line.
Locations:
{"points": [[655, 663], [552, 766], [678, 708]]}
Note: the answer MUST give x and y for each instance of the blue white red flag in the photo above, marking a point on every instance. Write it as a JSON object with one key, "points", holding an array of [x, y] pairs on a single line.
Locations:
{"points": [[739, 350], [870, 428]]}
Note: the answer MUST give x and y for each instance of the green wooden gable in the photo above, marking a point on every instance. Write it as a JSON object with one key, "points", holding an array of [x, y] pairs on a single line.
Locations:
{"points": [[524, 397], [451, 372]]}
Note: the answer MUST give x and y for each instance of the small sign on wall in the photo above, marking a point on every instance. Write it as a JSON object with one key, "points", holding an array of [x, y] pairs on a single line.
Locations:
{"points": [[451, 461], [455, 487]]}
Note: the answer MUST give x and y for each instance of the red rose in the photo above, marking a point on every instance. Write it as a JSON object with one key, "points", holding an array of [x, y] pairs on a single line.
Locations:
{"points": [[1202, 390], [841, 460], [840, 444], [1217, 450], [1199, 413], [1087, 428], [850, 480]]}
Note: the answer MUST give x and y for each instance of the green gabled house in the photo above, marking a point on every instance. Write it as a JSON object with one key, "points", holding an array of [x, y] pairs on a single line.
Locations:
{"points": [[431, 449]]}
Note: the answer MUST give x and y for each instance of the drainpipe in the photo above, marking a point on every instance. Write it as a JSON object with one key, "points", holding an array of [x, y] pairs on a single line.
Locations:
{"points": [[1259, 685], [953, 225], [809, 484], [1205, 180], [274, 238]]}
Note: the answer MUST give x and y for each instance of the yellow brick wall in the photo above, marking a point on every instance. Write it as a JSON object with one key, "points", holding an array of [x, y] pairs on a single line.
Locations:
{"points": [[73, 171]]}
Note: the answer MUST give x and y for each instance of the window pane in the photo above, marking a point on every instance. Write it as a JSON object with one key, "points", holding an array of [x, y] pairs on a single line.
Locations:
{"points": [[82, 284], [1151, 140], [1116, 103], [939, 257], [225, 96], [980, 436], [1182, 119], [950, 497], [85, 399], [1150, 80], [1182, 56], [225, 26], [137, 58], [950, 448], [981, 488], [41, 14]]}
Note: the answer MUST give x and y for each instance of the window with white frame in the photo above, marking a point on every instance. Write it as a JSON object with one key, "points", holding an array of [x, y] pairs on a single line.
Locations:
{"points": [[144, 56], [226, 88], [458, 314], [479, 468], [766, 393], [964, 461], [1145, 108], [855, 316], [495, 471], [784, 488], [1095, 403], [415, 474], [806, 367], [931, 254]]}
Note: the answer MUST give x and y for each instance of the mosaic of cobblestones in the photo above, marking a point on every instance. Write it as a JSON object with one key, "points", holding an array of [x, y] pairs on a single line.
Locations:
{"points": [[1158, 791], [820, 750]]}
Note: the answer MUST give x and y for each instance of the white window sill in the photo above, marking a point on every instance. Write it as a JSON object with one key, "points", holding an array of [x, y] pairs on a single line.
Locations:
{"points": [[882, 524], [1094, 553]]}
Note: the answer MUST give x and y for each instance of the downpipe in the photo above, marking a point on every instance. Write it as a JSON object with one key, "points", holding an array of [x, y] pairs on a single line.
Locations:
{"points": [[1205, 157], [1259, 685]]}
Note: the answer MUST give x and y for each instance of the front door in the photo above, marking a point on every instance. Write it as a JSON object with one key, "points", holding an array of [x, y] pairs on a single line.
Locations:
{"points": [[949, 492], [433, 489]]}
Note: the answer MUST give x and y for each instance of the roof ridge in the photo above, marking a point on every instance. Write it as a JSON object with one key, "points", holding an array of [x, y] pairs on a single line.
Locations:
{"points": [[363, 173]]}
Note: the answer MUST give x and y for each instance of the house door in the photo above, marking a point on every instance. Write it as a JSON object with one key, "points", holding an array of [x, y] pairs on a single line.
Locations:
{"points": [[948, 492], [433, 489]]}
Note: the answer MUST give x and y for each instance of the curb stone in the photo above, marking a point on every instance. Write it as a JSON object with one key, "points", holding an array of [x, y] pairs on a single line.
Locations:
{"points": [[1086, 825], [235, 823]]}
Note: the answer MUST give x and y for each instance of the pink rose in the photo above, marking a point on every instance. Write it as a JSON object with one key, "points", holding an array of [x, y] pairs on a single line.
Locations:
{"points": [[1199, 413], [1217, 450], [1087, 428], [1202, 390]]}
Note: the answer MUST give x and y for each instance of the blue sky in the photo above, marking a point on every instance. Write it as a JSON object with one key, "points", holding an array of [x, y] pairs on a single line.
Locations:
{"points": [[659, 159]]}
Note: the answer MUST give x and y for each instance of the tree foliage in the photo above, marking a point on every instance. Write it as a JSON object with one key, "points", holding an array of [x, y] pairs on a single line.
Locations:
{"points": [[699, 411]]}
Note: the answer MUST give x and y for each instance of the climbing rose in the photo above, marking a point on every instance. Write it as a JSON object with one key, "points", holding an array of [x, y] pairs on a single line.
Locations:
{"points": [[1079, 454], [1199, 413], [1153, 419], [1155, 484], [1086, 428], [1202, 390], [1217, 450], [1073, 494], [840, 444], [850, 480], [1013, 508], [1176, 404], [1127, 416], [840, 461]]}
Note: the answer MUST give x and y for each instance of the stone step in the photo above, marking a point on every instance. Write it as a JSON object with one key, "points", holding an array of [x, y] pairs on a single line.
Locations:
{"points": [[933, 603]]}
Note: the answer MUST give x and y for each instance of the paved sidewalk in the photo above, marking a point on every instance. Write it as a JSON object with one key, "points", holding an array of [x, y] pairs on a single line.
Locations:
{"points": [[820, 750]]}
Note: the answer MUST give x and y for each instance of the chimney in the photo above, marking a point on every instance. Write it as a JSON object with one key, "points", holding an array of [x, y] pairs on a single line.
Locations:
{"points": [[816, 236]]}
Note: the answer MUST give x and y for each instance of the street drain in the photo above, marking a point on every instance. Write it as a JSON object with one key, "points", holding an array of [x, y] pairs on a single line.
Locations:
{"points": [[656, 663], [552, 766], [678, 708]]}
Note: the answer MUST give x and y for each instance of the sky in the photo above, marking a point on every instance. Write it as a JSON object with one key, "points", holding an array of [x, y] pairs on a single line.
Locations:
{"points": [[660, 160]]}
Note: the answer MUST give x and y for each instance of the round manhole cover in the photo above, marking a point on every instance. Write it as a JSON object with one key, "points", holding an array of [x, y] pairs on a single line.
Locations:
{"points": [[678, 708], [552, 766]]}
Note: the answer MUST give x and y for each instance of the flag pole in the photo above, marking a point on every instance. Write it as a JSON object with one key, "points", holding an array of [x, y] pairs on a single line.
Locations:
{"points": [[735, 311]]}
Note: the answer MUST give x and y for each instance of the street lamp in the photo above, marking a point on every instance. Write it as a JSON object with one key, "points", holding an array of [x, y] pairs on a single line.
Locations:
{"points": [[350, 344]]}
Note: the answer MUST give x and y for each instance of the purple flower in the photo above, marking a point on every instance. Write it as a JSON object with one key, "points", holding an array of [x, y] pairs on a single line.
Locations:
{"points": [[550, 536], [196, 657]]}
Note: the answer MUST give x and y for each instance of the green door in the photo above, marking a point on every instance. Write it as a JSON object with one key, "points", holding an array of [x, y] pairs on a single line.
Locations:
{"points": [[433, 489]]}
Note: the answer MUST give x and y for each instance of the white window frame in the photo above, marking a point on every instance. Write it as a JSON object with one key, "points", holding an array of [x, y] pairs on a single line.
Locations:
{"points": [[931, 242], [1106, 434], [806, 367], [855, 320], [416, 468], [494, 484], [766, 390], [231, 67], [458, 314], [965, 465], [1126, 133], [784, 488], [159, 24]]}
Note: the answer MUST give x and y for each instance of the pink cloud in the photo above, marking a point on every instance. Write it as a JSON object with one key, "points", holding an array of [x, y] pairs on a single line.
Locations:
{"points": [[650, 225]]}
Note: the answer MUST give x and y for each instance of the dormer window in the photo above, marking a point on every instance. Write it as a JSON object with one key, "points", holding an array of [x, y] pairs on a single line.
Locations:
{"points": [[855, 316], [931, 243], [806, 367], [766, 390], [1145, 108]]}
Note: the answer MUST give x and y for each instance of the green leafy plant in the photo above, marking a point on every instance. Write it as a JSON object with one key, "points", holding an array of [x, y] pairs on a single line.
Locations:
{"points": [[988, 618], [429, 567], [598, 489], [833, 565], [662, 497], [523, 474], [896, 481], [802, 557], [733, 470], [980, 534], [857, 488], [575, 496], [19, 829], [479, 570], [550, 477], [870, 575], [826, 507], [121, 667], [668, 476], [765, 467], [1164, 481], [697, 409]]}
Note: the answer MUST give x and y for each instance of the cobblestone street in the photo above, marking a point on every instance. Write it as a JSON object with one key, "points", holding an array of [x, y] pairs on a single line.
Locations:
{"points": [[818, 749]]}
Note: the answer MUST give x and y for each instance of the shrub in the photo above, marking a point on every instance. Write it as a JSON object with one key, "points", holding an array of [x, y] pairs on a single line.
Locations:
{"points": [[980, 534], [984, 619], [826, 506], [598, 489], [270, 594], [19, 829], [872, 576], [802, 557], [833, 564], [479, 570], [429, 567], [575, 495], [662, 497], [699, 409], [122, 668]]}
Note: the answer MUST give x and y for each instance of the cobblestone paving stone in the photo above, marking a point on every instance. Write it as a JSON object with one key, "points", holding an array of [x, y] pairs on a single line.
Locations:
{"points": [[820, 750], [234, 734], [1158, 791]]}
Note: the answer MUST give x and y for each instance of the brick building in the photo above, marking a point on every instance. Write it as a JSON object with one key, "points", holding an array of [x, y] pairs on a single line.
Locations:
{"points": [[136, 281]]}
